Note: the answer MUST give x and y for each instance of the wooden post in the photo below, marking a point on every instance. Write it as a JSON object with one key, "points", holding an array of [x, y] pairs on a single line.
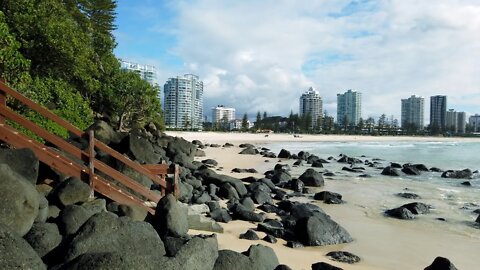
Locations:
{"points": [[91, 158], [3, 101], [176, 186]]}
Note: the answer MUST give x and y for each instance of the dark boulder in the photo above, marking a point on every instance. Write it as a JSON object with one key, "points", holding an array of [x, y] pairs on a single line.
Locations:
{"points": [[435, 169], [281, 178], [328, 197], [43, 237], [228, 192], [249, 151], [107, 260], [298, 163], [211, 177], [466, 183], [141, 149], [321, 230], [22, 161], [478, 219], [270, 239], [395, 165], [282, 267], [19, 201], [282, 167], [42, 209], [200, 253], [104, 132], [134, 212], [417, 208], [105, 232], [317, 164], [312, 178], [16, 253], [441, 263], [461, 174], [220, 215], [232, 260], [261, 197], [170, 218], [324, 266], [400, 213], [272, 227], [408, 195], [210, 162], [294, 244], [263, 257], [246, 145], [240, 212], [391, 171], [173, 245], [410, 170], [72, 217], [71, 191], [297, 185], [249, 235], [421, 167], [343, 256], [284, 154], [248, 203]]}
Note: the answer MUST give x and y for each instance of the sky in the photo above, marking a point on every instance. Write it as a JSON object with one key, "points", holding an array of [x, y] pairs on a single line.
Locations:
{"points": [[261, 55]]}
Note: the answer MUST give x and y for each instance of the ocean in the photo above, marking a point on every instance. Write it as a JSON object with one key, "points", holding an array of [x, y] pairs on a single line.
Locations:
{"points": [[388, 243]]}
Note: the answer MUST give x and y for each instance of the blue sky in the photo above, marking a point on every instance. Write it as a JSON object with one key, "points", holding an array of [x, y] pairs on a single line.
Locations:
{"points": [[262, 55]]}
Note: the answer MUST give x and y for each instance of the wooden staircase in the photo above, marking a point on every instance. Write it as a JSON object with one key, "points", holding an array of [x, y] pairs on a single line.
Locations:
{"points": [[69, 160]]}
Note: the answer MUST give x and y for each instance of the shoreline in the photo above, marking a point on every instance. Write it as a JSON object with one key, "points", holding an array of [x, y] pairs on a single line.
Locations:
{"points": [[414, 243], [223, 137]]}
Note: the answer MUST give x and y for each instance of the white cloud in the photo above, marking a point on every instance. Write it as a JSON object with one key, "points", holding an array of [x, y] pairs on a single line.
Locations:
{"points": [[261, 55]]}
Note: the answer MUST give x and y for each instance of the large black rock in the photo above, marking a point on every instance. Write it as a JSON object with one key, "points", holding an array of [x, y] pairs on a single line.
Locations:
{"points": [[321, 230], [232, 260], [22, 161], [264, 258], [390, 171], [312, 178], [281, 177], [461, 174], [199, 253], [343, 256], [324, 266], [417, 208], [19, 201], [105, 232], [284, 154], [43, 237], [400, 213], [410, 170], [441, 263], [212, 177], [16, 253], [170, 218], [71, 191]]}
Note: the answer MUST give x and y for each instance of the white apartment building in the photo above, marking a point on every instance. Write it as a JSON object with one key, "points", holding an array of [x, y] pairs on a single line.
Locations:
{"points": [[183, 102], [349, 108], [311, 104], [222, 113], [474, 122], [413, 112], [146, 72]]}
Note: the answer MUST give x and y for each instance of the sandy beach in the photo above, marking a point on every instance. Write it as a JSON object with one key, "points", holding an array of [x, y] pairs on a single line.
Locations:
{"points": [[382, 243]]}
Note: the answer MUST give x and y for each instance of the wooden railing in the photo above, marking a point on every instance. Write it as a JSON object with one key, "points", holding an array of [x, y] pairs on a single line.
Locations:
{"points": [[72, 161]]}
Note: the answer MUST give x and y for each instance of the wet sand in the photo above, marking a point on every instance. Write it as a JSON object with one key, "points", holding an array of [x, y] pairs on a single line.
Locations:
{"points": [[381, 242]]}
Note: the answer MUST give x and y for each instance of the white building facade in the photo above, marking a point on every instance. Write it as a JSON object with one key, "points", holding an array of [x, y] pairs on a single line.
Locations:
{"points": [[222, 113], [311, 104], [349, 108], [413, 112], [183, 102], [146, 72]]}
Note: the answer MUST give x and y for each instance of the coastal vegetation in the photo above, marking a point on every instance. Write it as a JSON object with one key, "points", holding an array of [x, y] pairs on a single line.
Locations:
{"points": [[59, 53]]}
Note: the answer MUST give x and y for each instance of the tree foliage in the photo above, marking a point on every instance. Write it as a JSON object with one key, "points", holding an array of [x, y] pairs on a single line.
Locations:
{"points": [[60, 54]]}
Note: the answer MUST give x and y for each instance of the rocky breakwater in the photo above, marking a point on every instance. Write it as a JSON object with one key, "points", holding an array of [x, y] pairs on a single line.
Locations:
{"points": [[49, 221]]}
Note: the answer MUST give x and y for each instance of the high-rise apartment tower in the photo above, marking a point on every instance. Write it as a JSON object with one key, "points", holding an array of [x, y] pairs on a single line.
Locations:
{"points": [[413, 112], [222, 113], [183, 102], [349, 108], [438, 112], [311, 104], [146, 72]]}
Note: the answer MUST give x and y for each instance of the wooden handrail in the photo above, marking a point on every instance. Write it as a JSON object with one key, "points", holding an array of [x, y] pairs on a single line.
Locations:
{"points": [[125, 180], [57, 160], [74, 130]]}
